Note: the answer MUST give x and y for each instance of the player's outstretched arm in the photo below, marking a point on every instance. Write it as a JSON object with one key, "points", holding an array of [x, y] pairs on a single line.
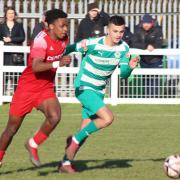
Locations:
{"points": [[39, 65], [81, 46], [65, 60], [134, 60], [70, 48], [126, 66]]}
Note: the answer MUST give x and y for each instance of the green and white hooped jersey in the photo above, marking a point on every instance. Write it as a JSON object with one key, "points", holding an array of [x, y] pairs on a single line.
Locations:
{"points": [[99, 63]]}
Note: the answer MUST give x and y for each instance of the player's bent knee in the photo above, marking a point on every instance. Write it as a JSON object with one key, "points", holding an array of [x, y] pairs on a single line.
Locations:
{"points": [[54, 119], [109, 120]]}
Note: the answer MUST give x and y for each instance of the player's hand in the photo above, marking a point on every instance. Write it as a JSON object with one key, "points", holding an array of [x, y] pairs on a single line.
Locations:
{"points": [[84, 45], [134, 62], [65, 60]]}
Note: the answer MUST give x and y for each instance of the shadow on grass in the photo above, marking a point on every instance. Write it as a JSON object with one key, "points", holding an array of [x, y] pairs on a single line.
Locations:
{"points": [[82, 165]]}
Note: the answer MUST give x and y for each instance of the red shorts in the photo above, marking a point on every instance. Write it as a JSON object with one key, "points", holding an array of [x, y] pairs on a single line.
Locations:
{"points": [[23, 102]]}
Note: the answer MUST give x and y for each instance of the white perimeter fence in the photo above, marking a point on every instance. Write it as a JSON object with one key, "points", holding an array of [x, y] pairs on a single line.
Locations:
{"points": [[144, 86]]}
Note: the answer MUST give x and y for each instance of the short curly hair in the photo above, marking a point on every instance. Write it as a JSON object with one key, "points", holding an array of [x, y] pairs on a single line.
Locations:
{"points": [[54, 14]]}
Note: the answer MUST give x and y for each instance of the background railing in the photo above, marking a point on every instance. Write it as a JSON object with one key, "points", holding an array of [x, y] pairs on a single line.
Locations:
{"points": [[133, 90], [167, 13], [137, 89]]}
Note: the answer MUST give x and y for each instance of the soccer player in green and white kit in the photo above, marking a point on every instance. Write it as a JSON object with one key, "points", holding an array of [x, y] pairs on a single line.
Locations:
{"points": [[102, 56]]}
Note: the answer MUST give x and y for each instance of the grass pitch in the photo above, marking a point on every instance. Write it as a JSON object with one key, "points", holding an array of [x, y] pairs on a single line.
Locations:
{"points": [[132, 148]]}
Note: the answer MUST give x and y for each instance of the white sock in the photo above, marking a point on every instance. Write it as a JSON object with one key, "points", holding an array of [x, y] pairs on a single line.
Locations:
{"points": [[75, 140], [66, 163], [32, 143]]}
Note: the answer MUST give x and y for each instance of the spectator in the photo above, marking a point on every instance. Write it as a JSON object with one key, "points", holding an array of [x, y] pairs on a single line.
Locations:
{"points": [[127, 37], [12, 33], [39, 26], [148, 35], [93, 24]]}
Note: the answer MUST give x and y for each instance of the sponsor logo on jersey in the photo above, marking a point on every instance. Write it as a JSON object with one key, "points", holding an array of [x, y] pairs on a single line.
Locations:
{"points": [[111, 61], [52, 58]]}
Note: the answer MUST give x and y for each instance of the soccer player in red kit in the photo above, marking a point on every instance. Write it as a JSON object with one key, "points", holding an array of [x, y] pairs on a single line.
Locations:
{"points": [[36, 85]]}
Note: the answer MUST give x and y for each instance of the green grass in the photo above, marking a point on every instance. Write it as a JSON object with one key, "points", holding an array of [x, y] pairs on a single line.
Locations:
{"points": [[132, 148]]}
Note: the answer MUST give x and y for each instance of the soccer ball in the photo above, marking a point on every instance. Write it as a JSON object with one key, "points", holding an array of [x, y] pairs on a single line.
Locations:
{"points": [[172, 166]]}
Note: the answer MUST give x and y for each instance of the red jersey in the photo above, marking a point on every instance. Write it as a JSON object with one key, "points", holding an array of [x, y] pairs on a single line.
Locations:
{"points": [[48, 49]]}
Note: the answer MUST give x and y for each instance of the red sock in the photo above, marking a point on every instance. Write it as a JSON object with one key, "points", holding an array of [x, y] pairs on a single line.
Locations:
{"points": [[40, 137], [2, 153]]}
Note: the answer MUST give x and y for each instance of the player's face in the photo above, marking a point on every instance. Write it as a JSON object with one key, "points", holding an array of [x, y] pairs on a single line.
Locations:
{"points": [[115, 33], [60, 28]]}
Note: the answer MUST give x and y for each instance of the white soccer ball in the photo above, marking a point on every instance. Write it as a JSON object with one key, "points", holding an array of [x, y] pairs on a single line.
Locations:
{"points": [[172, 166]]}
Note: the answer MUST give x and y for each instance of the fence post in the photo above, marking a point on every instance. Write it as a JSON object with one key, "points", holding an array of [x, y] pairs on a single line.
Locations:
{"points": [[114, 87], [1, 70]]}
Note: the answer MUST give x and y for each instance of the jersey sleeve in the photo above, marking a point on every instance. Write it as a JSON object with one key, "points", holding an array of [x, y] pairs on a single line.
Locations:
{"points": [[38, 49], [70, 48], [81, 46], [125, 69]]}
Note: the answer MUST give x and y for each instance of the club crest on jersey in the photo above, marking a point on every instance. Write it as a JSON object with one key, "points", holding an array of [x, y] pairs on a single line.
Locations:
{"points": [[117, 54]]}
